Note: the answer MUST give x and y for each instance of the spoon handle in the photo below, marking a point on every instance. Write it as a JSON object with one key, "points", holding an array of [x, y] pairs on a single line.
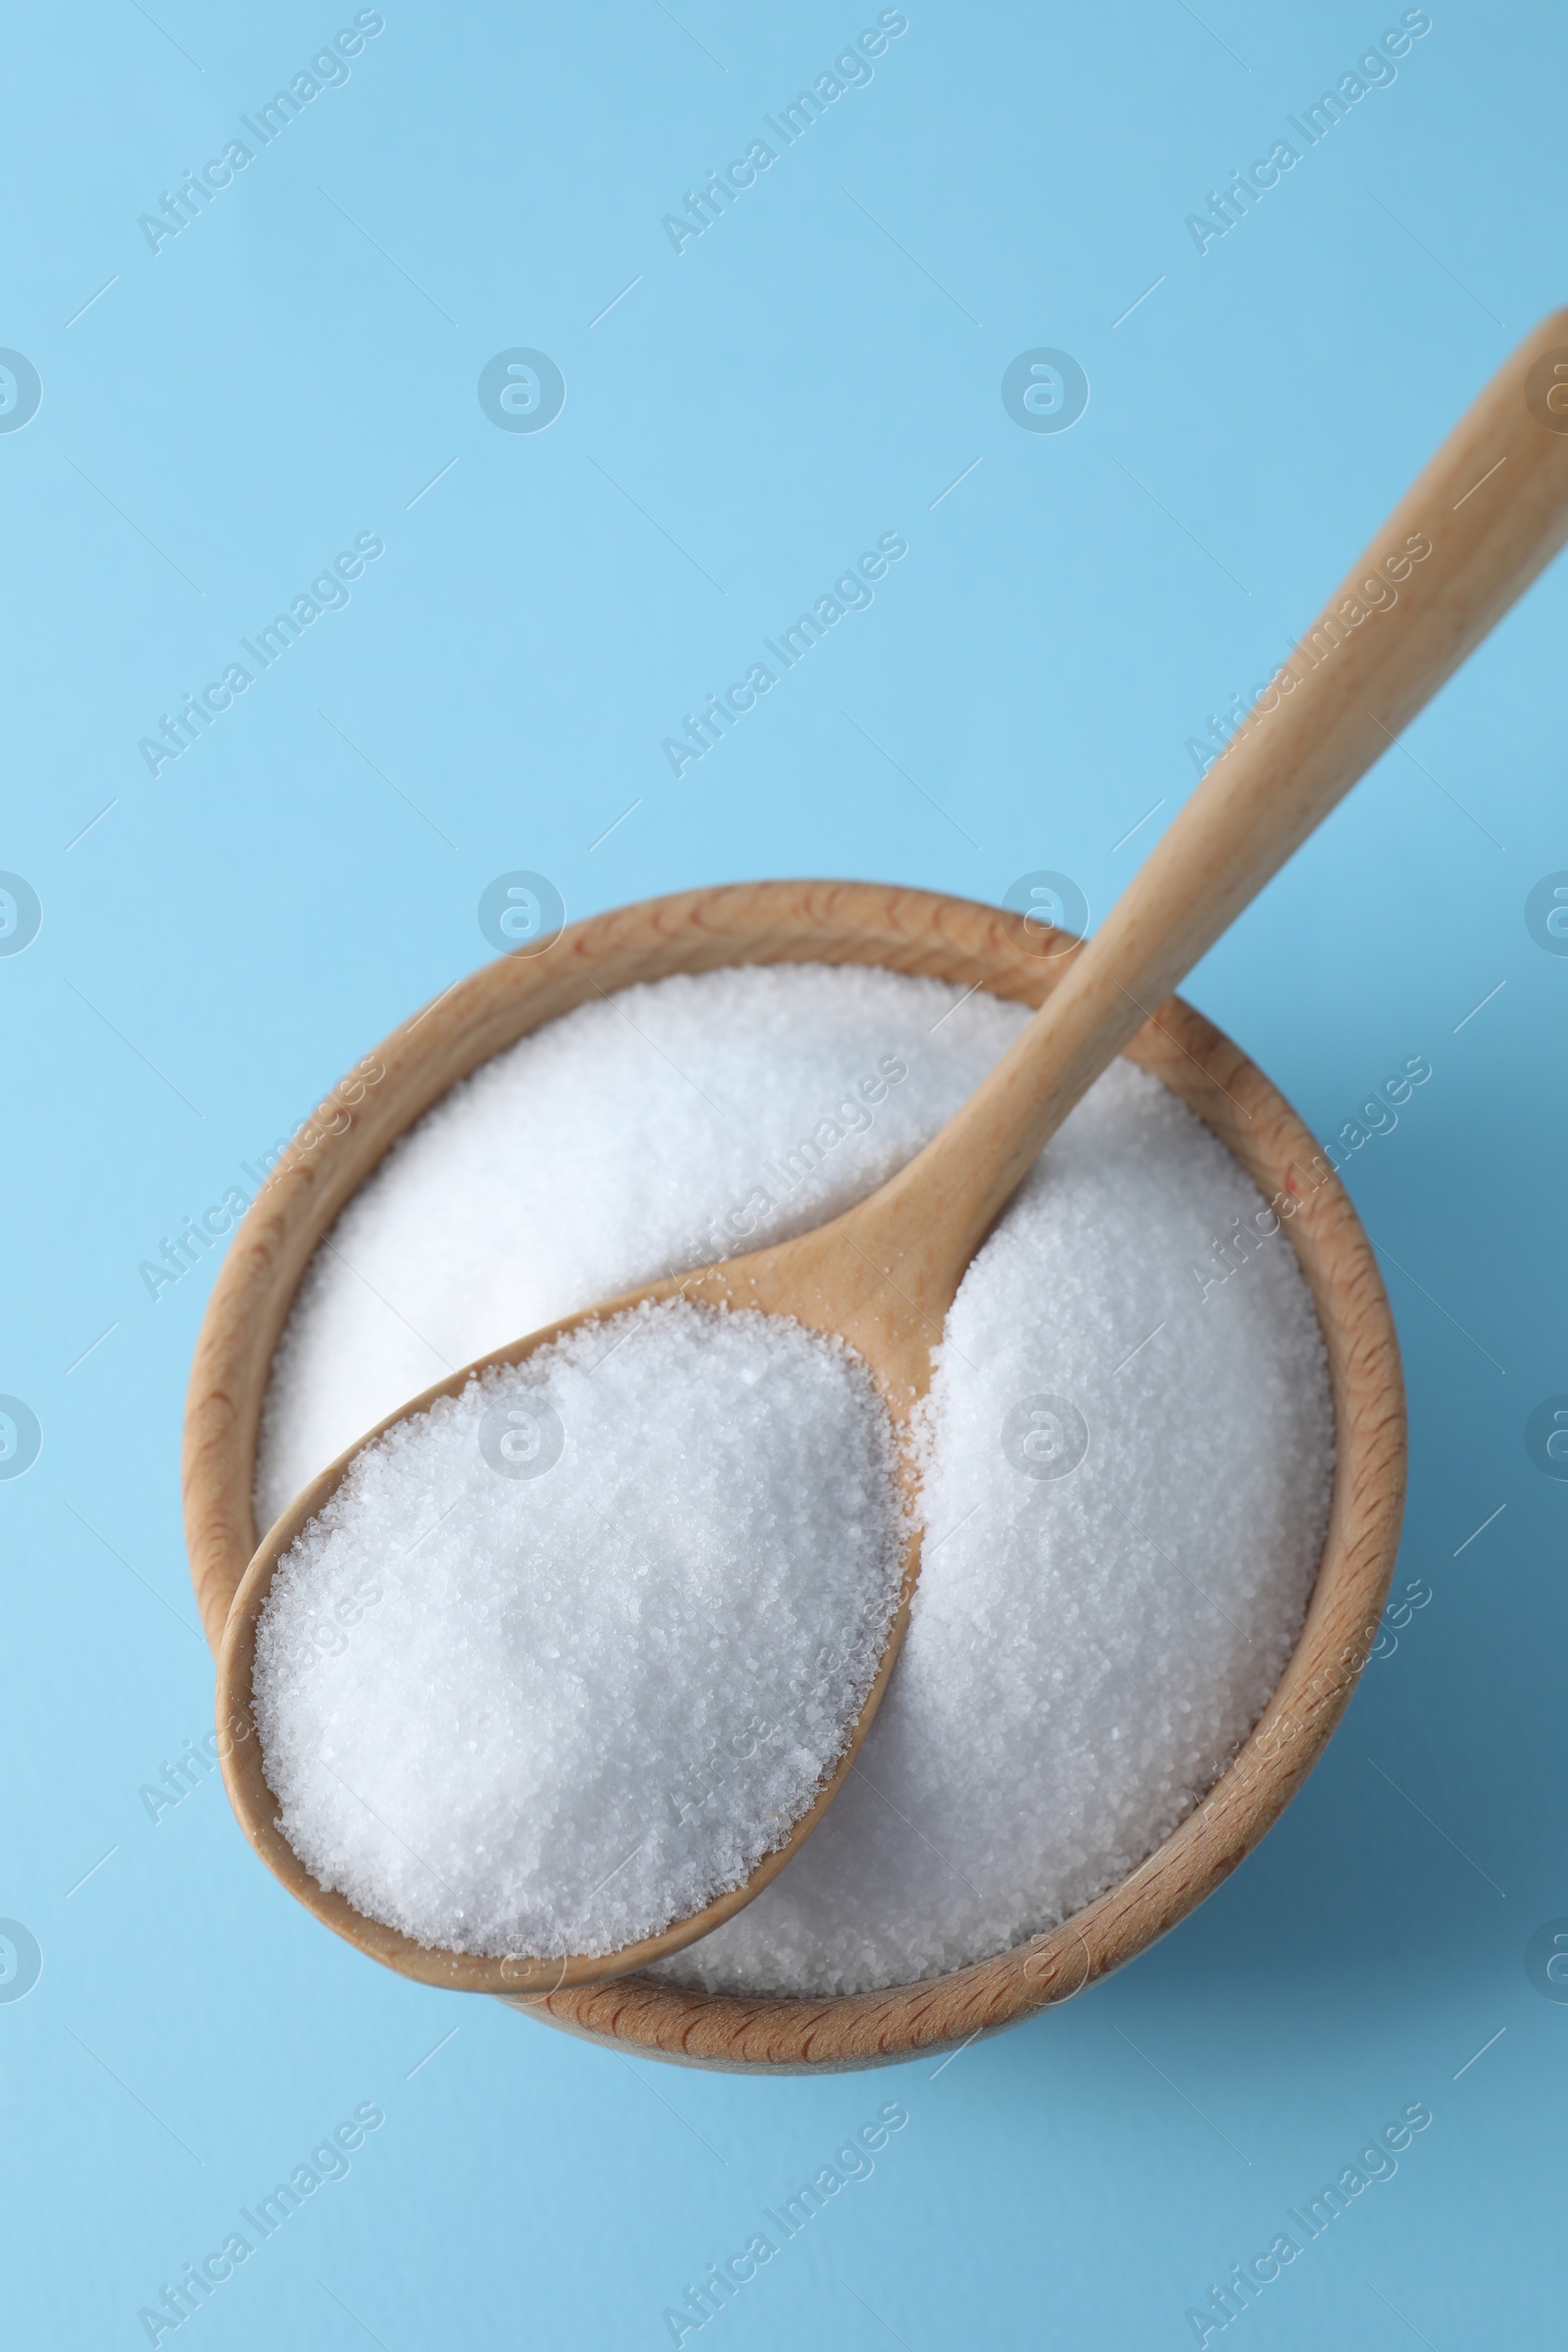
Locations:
{"points": [[1488, 513]]}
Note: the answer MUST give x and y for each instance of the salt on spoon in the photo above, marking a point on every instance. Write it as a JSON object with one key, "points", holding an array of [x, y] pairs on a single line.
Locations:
{"points": [[1484, 519], [573, 1760]]}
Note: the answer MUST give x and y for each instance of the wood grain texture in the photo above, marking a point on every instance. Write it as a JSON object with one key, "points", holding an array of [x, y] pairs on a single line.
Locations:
{"points": [[918, 932]]}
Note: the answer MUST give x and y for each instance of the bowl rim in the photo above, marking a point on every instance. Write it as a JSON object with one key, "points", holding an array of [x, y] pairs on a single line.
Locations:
{"points": [[924, 933]]}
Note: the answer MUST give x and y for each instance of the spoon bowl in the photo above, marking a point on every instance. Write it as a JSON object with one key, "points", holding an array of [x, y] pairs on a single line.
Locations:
{"points": [[749, 1282]]}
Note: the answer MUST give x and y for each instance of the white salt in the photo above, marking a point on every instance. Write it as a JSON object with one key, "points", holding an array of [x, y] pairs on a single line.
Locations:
{"points": [[567, 1654], [1116, 1561], [1087, 1648], [618, 1143]]}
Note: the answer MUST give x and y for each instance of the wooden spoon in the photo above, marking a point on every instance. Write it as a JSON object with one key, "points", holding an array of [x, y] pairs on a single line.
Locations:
{"points": [[1487, 515]]}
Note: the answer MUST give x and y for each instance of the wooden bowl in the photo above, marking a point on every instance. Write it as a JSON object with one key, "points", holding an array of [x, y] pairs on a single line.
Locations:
{"points": [[975, 945]]}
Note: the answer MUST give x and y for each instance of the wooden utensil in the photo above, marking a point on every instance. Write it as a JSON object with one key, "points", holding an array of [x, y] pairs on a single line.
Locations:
{"points": [[1481, 522]]}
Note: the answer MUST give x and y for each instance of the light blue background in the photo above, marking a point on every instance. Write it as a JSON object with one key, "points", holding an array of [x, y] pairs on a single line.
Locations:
{"points": [[809, 374]]}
